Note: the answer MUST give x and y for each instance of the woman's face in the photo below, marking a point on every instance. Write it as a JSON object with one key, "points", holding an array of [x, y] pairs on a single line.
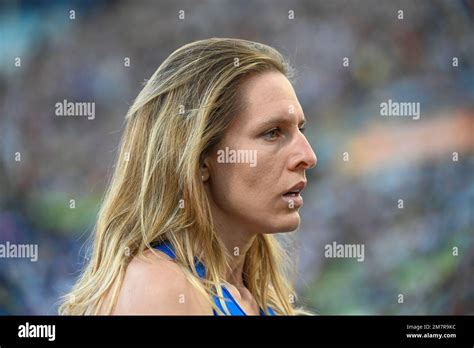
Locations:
{"points": [[262, 157]]}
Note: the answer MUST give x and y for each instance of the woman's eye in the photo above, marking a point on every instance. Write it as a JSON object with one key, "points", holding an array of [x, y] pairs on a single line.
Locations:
{"points": [[272, 134], [302, 129]]}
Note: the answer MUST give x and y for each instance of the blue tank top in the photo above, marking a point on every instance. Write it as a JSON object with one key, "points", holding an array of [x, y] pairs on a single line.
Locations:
{"points": [[232, 305]]}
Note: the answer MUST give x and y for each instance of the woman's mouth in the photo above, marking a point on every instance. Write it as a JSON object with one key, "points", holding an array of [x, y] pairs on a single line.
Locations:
{"points": [[293, 199], [293, 195]]}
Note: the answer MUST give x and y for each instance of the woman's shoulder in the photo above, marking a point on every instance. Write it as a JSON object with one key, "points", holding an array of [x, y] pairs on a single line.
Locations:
{"points": [[155, 284]]}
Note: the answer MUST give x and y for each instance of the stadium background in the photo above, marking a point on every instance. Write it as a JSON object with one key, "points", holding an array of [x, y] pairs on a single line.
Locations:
{"points": [[408, 251]]}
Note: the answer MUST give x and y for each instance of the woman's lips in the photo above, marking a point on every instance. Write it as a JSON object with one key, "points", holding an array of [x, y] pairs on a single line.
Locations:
{"points": [[296, 198]]}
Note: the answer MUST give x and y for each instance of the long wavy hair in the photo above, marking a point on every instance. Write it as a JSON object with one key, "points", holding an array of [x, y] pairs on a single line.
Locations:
{"points": [[156, 193]]}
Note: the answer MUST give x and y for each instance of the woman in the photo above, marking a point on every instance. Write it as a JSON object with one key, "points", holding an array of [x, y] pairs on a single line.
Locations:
{"points": [[211, 166]]}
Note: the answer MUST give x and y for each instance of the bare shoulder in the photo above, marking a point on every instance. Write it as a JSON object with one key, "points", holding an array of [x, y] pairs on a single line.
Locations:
{"points": [[156, 285]]}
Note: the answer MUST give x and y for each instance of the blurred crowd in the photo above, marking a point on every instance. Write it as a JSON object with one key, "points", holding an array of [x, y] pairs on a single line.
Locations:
{"points": [[78, 51]]}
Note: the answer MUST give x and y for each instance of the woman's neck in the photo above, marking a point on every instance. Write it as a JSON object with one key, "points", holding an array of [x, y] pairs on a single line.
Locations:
{"points": [[237, 240]]}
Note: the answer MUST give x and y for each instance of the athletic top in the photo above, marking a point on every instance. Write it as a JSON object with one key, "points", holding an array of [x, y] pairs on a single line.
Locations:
{"points": [[232, 305]]}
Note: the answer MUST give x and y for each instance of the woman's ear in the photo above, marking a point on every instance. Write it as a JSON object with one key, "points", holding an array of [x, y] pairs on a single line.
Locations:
{"points": [[205, 169]]}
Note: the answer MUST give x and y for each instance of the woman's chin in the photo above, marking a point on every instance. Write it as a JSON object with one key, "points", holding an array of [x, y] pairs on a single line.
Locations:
{"points": [[288, 223]]}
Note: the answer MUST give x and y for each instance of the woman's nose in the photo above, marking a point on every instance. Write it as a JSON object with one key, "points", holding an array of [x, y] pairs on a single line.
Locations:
{"points": [[305, 155]]}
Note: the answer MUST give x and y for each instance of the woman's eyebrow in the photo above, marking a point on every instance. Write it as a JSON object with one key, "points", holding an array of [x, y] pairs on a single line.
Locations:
{"points": [[281, 119]]}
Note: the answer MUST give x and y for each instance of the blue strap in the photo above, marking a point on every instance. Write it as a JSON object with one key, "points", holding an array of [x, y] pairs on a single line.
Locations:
{"points": [[168, 250], [232, 305]]}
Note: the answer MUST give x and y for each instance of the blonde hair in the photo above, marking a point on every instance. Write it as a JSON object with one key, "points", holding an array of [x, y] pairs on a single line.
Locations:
{"points": [[180, 114]]}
